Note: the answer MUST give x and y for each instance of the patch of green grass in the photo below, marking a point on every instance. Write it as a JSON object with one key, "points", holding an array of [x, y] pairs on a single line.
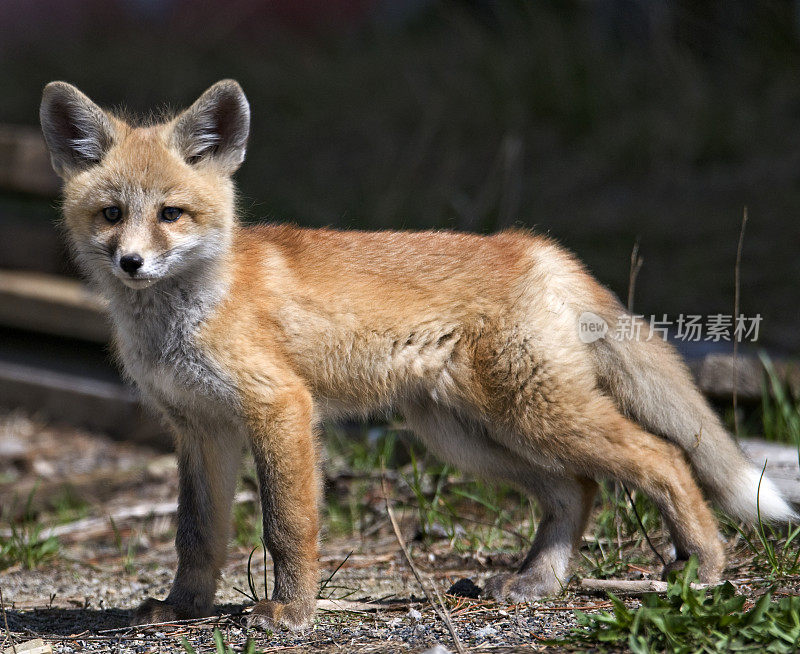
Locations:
{"points": [[776, 550], [427, 485], [471, 514], [68, 506], [694, 620], [607, 560], [619, 536], [617, 518], [355, 461], [25, 545], [247, 525], [780, 407], [506, 516], [251, 584], [126, 551]]}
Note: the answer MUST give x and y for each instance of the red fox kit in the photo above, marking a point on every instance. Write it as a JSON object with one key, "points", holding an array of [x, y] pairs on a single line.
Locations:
{"points": [[253, 335]]}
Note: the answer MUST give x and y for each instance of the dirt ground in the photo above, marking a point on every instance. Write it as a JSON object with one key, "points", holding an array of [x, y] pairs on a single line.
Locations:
{"points": [[81, 598]]}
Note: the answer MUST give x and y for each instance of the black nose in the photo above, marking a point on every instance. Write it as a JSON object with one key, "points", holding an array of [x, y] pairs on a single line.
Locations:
{"points": [[130, 263]]}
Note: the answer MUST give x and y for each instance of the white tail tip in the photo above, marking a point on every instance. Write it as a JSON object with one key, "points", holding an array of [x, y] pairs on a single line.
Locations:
{"points": [[750, 501]]}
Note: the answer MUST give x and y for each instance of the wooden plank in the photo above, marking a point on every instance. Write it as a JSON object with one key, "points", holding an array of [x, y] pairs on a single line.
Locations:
{"points": [[35, 646], [714, 375], [96, 404], [25, 162], [31, 240], [627, 586], [53, 305], [93, 526]]}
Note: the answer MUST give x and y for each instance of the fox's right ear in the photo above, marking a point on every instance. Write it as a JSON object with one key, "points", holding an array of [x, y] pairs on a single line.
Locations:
{"points": [[78, 133], [215, 128]]}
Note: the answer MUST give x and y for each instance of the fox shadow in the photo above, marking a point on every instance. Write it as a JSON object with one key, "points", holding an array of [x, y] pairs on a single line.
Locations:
{"points": [[54, 622]]}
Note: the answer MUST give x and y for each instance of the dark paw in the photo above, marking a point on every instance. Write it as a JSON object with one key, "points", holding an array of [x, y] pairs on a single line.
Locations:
{"points": [[153, 611], [271, 615]]}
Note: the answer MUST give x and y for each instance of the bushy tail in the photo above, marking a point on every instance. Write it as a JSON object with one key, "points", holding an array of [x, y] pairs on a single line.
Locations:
{"points": [[651, 384]]}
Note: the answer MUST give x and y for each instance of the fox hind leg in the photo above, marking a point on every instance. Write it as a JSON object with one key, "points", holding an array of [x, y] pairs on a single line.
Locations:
{"points": [[658, 468], [565, 501], [598, 442], [566, 504]]}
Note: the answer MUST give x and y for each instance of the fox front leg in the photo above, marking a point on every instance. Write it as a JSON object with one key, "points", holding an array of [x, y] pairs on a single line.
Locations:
{"points": [[208, 462], [285, 453]]}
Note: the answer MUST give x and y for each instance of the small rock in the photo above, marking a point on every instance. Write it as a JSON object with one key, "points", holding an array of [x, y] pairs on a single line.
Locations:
{"points": [[43, 468], [163, 466], [12, 448], [437, 649], [414, 614], [486, 632]]}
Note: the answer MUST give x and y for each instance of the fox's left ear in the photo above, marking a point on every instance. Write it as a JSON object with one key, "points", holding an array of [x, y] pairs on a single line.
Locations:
{"points": [[78, 133], [215, 128]]}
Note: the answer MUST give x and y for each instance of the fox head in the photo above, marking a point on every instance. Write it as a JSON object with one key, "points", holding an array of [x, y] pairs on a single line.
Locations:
{"points": [[146, 203]]}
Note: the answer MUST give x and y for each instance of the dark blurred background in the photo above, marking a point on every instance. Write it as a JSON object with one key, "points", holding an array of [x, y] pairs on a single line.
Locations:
{"points": [[599, 123]]}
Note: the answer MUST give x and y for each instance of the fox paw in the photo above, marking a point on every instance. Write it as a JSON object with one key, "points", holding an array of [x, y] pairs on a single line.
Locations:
{"points": [[270, 615], [707, 573], [517, 587], [153, 611]]}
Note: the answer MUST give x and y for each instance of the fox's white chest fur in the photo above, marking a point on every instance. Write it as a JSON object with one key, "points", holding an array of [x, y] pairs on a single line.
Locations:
{"points": [[156, 332]]}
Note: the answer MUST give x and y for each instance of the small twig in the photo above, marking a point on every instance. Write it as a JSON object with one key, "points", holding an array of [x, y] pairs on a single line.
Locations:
{"points": [[639, 569], [188, 622], [736, 287], [636, 266], [349, 606], [574, 607], [9, 637], [628, 587], [441, 611]]}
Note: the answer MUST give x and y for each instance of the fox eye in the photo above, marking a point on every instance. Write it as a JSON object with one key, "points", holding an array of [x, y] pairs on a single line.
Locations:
{"points": [[112, 214], [171, 214]]}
